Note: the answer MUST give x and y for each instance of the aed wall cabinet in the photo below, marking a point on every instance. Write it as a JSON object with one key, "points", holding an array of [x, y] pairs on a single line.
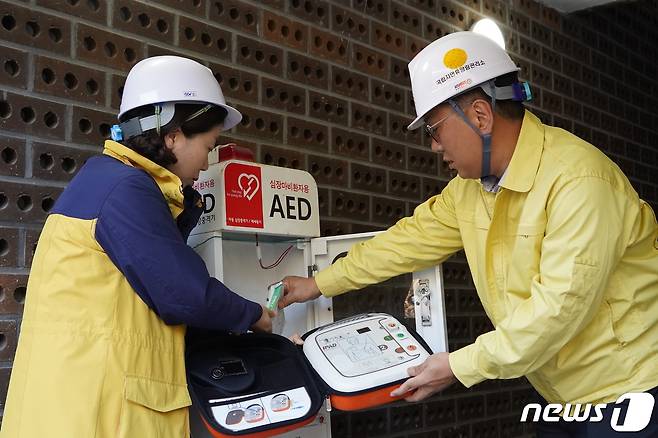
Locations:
{"points": [[260, 224]]}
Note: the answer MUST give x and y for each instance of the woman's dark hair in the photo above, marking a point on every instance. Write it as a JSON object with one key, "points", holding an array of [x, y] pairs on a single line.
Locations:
{"points": [[152, 146]]}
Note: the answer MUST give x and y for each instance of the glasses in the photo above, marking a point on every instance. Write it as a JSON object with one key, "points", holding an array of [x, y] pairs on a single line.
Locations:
{"points": [[432, 130]]}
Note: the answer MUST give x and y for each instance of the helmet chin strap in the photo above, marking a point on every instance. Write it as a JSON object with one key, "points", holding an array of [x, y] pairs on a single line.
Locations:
{"points": [[486, 138]]}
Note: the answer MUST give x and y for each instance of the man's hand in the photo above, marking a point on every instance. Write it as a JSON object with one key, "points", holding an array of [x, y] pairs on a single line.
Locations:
{"points": [[264, 324], [428, 378], [298, 290]]}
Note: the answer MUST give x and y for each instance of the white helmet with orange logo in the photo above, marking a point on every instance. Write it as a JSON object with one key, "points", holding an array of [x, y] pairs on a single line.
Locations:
{"points": [[456, 63]]}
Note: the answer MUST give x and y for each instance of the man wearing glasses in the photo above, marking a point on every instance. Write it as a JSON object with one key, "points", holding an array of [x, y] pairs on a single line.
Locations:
{"points": [[563, 252]]}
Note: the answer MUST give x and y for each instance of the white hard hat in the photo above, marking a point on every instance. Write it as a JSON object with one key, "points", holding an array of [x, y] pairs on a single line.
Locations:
{"points": [[453, 64], [168, 79]]}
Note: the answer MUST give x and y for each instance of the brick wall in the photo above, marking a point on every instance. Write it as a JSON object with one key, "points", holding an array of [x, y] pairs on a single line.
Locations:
{"points": [[324, 87]]}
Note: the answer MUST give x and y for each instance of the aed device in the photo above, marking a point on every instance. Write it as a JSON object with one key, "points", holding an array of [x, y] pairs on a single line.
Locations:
{"points": [[261, 385]]}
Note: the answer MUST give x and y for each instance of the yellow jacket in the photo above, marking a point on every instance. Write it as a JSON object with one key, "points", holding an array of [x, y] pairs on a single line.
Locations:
{"points": [[112, 285], [565, 261]]}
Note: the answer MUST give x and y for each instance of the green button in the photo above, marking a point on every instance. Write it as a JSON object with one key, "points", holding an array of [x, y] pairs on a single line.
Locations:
{"points": [[388, 338], [400, 335]]}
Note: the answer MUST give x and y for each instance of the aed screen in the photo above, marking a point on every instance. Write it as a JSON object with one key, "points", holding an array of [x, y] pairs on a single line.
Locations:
{"points": [[233, 367], [363, 330]]}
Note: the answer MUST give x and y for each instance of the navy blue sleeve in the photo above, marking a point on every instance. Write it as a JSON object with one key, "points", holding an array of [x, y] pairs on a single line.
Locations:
{"points": [[138, 233]]}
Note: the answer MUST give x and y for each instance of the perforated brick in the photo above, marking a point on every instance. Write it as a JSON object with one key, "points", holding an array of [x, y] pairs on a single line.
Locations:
{"points": [[315, 11], [34, 29], [427, 6], [404, 185], [236, 14], [12, 156], [561, 44], [387, 211], [8, 339], [571, 68], [529, 49], [433, 29], [8, 236], [105, 48], [328, 108], [350, 24], [323, 203], [388, 39], [58, 162], [328, 171], [406, 18], [284, 96], [202, 38], [413, 45], [31, 240], [94, 10], [32, 116], [195, 7], [387, 95], [236, 83], [262, 124], [485, 429], [14, 71], [12, 293], [369, 178], [541, 76], [117, 83], [328, 46], [368, 118], [397, 129], [91, 127], [374, 8], [453, 14], [63, 79], [399, 73], [406, 417], [144, 20], [350, 205], [495, 9], [369, 423], [260, 56], [370, 61], [388, 153], [350, 144], [423, 161], [591, 117], [334, 228], [282, 157], [307, 134], [349, 83], [279, 29], [27, 202], [439, 412], [580, 52], [307, 70], [431, 187]]}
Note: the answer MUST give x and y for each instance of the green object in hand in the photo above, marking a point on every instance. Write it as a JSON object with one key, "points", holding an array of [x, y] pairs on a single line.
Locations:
{"points": [[274, 293]]}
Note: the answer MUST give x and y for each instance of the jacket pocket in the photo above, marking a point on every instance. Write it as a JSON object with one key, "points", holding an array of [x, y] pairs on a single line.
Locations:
{"points": [[153, 409]]}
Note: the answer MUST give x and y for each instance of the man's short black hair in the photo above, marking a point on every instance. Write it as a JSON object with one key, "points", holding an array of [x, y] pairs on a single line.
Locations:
{"points": [[509, 109]]}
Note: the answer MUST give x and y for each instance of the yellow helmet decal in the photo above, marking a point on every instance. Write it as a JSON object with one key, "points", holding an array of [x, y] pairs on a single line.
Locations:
{"points": [[454, 58]]}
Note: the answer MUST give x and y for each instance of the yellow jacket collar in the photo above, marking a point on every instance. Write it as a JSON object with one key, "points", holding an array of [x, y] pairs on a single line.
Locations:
{"points": [[170, 185], [522, 169]]}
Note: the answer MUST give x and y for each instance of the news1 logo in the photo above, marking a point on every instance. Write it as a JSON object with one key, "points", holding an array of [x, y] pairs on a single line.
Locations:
{"points": [[638, 412]]}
